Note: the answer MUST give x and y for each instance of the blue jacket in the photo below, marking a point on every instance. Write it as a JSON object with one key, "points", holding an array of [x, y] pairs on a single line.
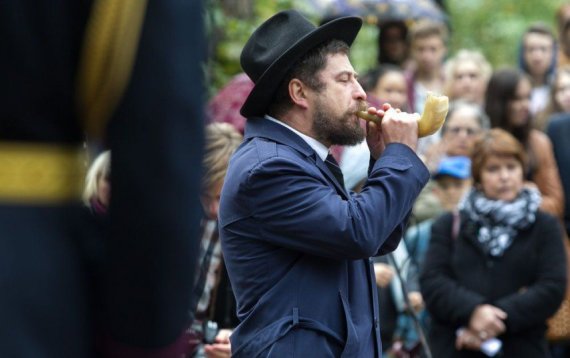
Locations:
{"points": [[297, 245]]}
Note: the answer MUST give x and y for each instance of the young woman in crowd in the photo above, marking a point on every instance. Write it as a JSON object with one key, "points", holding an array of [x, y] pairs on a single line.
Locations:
{"points": [[508, 106]]}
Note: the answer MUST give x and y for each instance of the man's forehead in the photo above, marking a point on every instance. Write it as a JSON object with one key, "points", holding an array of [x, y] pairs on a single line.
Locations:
{"points": [[338, 64]]}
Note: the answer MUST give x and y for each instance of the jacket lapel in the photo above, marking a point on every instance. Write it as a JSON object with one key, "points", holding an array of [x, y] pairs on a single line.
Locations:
{"points": [[261, 127]]}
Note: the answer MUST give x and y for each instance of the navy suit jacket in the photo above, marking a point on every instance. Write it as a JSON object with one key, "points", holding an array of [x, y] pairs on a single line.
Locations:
{"points": [[297, 245]]}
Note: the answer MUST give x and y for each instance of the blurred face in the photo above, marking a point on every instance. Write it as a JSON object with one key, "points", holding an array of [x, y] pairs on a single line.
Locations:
{"points": [[501, 178], [519, 107], [104, 190], [211, 200], [335, 106], [461, 132], [468, 83], [562, 96], [429, 53], [392, 88], [538, 53], [394, 44], [450, 190]]}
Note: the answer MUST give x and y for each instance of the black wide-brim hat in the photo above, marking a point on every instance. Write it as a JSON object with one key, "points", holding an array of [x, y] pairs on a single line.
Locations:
{"points": [[277, 44]]}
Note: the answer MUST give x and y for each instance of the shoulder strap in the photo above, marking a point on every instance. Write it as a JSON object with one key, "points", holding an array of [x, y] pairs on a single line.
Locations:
{"points": [[455, 225], [107, 58]]}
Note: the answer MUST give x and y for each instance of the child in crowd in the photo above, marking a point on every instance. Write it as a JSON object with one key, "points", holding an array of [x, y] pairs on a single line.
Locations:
{"points": [[428, 44], [559, 99], [386, 84]]}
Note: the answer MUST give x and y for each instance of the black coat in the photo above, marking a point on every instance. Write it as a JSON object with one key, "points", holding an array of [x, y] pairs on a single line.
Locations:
{"points": [[528, 283]]}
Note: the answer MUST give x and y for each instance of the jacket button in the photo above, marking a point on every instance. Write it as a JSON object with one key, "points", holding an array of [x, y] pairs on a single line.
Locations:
{"points": [[376, 322]]}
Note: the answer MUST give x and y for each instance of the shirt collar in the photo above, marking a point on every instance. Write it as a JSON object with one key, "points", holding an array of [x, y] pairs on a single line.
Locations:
{"points": [[321, 150]]}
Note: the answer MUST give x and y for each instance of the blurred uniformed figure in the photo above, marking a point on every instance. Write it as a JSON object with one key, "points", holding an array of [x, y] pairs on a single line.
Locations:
{"points": [[142, 287]]}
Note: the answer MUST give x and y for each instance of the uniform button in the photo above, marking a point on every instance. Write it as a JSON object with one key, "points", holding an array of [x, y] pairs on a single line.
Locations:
{"points": [[376, 322]]}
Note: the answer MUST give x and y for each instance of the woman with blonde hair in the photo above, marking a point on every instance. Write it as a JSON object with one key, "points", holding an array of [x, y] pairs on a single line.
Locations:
{"points": [[466, 76], [222, 139], [97, 192]]}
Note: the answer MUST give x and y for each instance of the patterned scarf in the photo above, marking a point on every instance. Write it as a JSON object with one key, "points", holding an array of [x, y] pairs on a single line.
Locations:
{"points": [[500, 221]]}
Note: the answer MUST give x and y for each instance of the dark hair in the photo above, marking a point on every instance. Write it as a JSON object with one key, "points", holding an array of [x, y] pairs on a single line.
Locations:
{"points": [[371, 78], [307, 70], [383, 56], [501, 89], [495, 142]]}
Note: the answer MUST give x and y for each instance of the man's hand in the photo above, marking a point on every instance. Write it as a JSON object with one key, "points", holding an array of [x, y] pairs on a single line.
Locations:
{"points": [[374, 132], [400, 127]]}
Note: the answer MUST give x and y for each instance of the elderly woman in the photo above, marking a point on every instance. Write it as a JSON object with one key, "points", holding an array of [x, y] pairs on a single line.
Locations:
{"points": [[497, 269], [465, 123]]}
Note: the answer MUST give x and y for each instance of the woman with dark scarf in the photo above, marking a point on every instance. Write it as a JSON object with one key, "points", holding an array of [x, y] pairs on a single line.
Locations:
{"points": [[495, 271]]}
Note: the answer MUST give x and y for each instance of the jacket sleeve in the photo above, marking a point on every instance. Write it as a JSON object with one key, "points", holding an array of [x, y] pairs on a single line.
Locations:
{"points": [[301, 211], [155, 211], [546, 177], [539, 301], [445, 298]]}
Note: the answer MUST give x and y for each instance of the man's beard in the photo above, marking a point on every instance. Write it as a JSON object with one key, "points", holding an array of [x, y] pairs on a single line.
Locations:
{"points": [[340, 130]]}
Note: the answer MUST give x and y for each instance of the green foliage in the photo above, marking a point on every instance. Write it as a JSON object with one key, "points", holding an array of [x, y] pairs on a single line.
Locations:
{"points": [[492, 26], [495, 26], [228, 34]]}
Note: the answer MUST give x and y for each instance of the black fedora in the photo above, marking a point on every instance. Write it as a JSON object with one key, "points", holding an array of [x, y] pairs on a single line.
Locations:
{"points": [[277, 44]]}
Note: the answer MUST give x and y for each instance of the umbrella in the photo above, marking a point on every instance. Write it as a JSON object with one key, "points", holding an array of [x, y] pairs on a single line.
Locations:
{"points": [[378, 11]]}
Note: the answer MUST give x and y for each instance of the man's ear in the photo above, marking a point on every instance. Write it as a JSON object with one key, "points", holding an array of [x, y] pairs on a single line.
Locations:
{"points": [[298, 93]]}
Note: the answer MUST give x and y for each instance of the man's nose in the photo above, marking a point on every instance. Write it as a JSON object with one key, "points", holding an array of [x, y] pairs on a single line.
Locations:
{"points": [[359, 92]]}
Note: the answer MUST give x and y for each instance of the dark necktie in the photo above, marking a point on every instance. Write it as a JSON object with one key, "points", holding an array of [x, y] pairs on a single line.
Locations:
{"points": [[332, 164]]}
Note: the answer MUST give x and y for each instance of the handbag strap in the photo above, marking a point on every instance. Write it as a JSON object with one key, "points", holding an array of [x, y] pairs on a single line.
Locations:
{"points": [[455, 225], [203, 270]]}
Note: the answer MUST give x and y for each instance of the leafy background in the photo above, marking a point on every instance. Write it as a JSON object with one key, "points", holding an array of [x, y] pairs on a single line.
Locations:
{"points": [[492, 26]]}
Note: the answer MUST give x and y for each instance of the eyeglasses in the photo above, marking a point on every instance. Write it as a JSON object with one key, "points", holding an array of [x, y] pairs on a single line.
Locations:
{"points": [[469, 131]]}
